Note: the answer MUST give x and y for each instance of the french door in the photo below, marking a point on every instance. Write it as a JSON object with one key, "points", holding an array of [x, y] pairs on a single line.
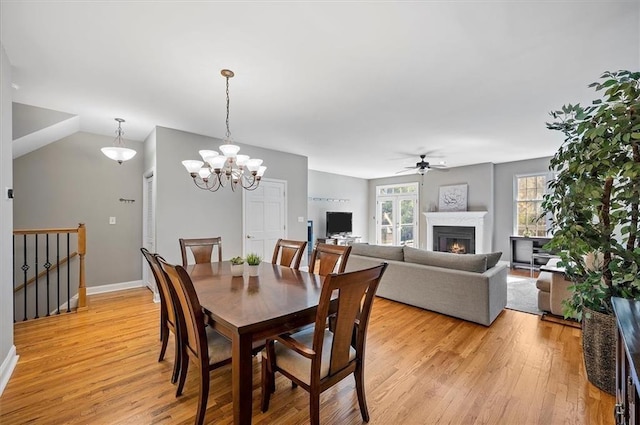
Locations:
{"points": [[396, 216]]}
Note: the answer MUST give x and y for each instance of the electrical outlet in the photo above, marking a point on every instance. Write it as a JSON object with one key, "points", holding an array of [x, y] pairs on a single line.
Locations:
{"points": [[112, 220], [300, 219]]}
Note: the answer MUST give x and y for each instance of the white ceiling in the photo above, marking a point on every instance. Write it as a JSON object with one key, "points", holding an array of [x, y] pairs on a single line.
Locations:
{"points": [[361, 88]]}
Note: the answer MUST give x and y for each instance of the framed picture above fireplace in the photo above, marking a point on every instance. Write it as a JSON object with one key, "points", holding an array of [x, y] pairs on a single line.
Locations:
{"points": [[453, 198]]}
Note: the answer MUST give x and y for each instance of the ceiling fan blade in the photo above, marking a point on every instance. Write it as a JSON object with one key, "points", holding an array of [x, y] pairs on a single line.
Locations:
{"points": [[441, 169], [405, 171]]}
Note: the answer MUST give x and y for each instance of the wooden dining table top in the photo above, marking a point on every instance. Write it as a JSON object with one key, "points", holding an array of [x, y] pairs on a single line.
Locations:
{"points": [[248, 304]]}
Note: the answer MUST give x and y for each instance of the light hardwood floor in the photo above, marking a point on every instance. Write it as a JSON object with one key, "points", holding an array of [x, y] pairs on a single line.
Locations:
{"points": [[100, 367]]}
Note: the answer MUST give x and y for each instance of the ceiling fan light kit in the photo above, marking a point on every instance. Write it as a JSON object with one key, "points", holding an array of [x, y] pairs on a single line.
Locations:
{"points": [[422, 167]]}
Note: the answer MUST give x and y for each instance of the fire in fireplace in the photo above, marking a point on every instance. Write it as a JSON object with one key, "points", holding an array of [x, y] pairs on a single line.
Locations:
{"points": [[455, 239]]}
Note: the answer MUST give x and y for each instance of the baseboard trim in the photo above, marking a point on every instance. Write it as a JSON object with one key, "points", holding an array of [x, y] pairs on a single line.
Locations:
{"points": [[113, 287], [6, 369], [156, 296], [103, 289]]}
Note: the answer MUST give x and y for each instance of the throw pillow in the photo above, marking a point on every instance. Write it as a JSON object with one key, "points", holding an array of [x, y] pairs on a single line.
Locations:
{"points": [[476, 263], [493, 258], [379, 251]]}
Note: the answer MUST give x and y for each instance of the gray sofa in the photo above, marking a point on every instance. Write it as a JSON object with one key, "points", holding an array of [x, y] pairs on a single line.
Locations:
{"points": [[472, 287]]}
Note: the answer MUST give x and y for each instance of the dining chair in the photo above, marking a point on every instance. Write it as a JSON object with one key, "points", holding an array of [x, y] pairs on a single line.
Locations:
{"points": [[167, 311], [289, 252], [318, 358], [199, 343], [327, 258], [201, 248]]}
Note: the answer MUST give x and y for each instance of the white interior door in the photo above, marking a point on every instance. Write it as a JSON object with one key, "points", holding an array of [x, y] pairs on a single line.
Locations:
{"points": [[265, 217], [148, 230]]}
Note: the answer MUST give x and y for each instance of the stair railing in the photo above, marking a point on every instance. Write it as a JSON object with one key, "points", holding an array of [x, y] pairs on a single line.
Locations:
{"points": [[45, 275]]}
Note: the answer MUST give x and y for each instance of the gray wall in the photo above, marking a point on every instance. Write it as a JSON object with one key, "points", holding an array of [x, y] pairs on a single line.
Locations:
{"points": [[323, 187], [6, 222], [504, 199], [183, 210], [28, 119], [70, 182], [479, 196]]}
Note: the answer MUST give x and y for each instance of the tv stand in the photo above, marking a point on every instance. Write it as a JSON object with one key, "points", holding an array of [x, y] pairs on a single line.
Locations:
{"points": [[339, 240]]}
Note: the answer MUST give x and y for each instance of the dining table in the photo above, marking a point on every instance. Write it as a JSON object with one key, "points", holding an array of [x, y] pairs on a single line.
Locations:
{"points": [[246, 309]]}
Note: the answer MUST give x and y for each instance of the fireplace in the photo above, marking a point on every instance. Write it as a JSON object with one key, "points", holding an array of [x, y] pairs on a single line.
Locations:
{"points": [[479, 220], [456, 239]]}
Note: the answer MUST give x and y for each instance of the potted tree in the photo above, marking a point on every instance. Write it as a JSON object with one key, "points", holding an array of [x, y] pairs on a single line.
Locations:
{"points": [[253, 261], [594, 204], [237, 266]]}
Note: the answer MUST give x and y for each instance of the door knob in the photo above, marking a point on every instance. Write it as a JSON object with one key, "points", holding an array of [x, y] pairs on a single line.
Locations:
{"points": [[248, 236]]}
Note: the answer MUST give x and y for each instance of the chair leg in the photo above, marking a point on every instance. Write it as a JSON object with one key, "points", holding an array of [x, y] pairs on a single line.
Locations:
{"points": [[204, 393], [184, 366], [362, 401], [267, 385], [314, 407]]}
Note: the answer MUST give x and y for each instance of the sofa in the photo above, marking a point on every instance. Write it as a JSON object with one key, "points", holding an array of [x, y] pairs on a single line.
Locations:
{"points": [[553, 289], [471, 287]]}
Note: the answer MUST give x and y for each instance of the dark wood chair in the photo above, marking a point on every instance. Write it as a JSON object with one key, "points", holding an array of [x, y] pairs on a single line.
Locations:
{"points": [[318, 358], [202, 249], [327, 258], [167, 311], [199, 343], [289, 253]]}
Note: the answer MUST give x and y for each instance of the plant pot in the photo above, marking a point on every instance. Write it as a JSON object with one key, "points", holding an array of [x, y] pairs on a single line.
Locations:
{"points": [[599, 348], [253, 270], [237, 269]]}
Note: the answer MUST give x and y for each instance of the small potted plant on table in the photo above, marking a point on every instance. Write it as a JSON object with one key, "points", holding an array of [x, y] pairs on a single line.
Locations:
{"points": [[237, 266], [253, 260]]}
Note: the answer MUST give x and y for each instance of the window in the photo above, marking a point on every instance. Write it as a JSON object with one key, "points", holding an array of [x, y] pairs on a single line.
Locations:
{"points": [[529, 191], [396, 214]]}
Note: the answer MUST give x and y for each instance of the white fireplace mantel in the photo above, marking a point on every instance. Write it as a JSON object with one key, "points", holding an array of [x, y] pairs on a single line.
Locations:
{"points": [[477, 219]]}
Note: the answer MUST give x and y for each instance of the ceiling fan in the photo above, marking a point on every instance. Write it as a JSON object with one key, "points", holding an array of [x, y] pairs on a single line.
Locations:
{"points": [[424, 166]]}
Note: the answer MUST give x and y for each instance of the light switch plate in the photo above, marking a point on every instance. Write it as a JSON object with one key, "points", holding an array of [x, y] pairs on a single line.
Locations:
{"points": [[112, 220]]}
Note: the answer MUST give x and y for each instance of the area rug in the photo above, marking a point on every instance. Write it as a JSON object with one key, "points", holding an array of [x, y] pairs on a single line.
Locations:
{"points": [[522, 295]]}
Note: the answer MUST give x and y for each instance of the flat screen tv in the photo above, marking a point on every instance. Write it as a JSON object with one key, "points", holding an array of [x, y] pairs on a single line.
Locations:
{"points": [[339, 222]]}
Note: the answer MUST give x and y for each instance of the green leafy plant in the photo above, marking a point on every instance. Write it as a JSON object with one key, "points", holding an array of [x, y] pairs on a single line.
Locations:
{"points": [[253, 259], [595, 196], [236, 261]]}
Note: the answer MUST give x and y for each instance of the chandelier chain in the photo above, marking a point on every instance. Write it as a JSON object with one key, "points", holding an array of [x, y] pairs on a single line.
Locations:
{"points": [[228, 131]]}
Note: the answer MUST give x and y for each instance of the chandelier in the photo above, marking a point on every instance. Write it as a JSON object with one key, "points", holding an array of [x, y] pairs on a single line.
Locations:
{"points": [[217, 170], [118, 152]]}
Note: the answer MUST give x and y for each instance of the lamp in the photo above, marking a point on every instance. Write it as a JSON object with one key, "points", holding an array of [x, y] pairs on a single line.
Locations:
{"points": [[118, 152], [228, 167]]}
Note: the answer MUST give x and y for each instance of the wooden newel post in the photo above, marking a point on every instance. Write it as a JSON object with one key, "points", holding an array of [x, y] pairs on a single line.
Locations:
{"points": [[82, 249]]}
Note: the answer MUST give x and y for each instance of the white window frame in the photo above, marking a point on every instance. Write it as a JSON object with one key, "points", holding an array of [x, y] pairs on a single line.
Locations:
{"points": [[549, 176], [415, 194]]}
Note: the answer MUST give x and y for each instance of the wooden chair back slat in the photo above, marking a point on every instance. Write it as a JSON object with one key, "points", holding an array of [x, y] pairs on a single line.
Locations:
{"points": [[202, 249], [166, 301], [326, 259], [290, 253], [188, 310], [355, 296]]}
